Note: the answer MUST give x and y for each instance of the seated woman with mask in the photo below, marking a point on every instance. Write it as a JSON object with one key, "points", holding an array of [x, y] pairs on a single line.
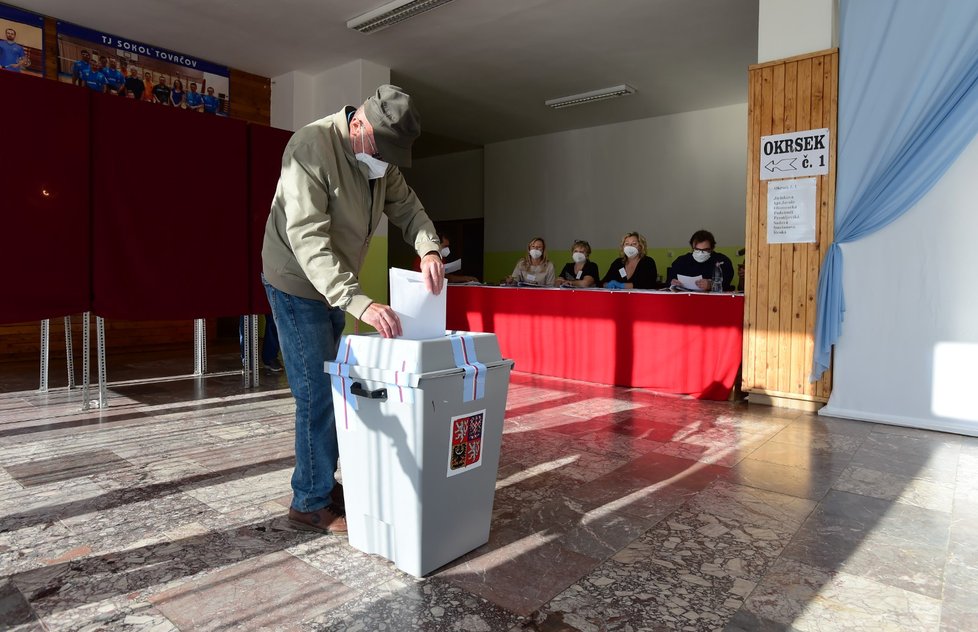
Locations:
{"points": [[634, 270], [533, 268], [581, 272]]}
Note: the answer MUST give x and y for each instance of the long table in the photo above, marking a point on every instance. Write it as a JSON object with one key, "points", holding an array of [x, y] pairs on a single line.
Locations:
{"points": [[684, 343]]}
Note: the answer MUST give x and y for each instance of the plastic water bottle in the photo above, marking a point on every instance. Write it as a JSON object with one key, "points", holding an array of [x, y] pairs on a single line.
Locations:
{"points": [[717, 279]]}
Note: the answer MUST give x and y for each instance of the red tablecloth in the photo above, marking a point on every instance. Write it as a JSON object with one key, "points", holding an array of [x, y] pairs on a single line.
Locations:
{"points": [[674, 343]]}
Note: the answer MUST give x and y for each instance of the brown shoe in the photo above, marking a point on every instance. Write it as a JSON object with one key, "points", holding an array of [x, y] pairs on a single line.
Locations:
{"points": [[336, 499], [325, 520]]}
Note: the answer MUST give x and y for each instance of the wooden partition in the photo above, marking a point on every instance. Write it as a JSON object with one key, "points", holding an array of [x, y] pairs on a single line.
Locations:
{"points": [[794, 94]]}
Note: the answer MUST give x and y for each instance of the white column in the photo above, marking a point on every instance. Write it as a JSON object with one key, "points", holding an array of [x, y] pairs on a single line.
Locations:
{"points": [[292, 100]]}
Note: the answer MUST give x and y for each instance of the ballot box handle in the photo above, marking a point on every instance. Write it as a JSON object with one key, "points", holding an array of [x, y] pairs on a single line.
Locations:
{"points": [[357, 389]]}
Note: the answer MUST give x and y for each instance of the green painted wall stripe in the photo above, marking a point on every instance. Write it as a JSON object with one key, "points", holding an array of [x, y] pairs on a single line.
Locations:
{"points": [[373, 279]]}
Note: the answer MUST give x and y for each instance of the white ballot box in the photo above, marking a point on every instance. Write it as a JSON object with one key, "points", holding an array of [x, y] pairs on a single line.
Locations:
{"points": [[420, 425]]}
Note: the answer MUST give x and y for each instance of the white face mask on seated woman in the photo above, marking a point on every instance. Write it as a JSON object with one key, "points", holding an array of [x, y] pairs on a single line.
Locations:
{"points": [[630, 251], [579, 257], [536, 254]]}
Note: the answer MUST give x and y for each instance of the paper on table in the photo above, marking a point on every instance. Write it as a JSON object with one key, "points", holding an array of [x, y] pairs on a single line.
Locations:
{"points": [[689, 282], [422, 314], [454, 266]]}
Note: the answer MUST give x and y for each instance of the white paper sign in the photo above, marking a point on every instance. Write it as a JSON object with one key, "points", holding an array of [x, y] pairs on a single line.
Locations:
{"points": [[689, 282], [422, 314], [795, 154], [791, 211]]}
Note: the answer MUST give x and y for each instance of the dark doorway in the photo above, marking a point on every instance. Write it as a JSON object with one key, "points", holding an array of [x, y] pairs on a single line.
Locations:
{"points": [[465, 235]]}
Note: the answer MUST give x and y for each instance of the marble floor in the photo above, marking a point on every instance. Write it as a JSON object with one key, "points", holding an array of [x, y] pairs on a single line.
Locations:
{"points": [[615, 509]]}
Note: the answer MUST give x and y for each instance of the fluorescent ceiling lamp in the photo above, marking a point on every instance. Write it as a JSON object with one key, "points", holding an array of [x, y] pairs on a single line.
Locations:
{"points": [[392, 13], [588, 97]]}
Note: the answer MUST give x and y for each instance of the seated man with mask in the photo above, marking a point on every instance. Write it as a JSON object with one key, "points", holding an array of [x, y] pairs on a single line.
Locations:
{"points": [[452, 277], [702, 261]]}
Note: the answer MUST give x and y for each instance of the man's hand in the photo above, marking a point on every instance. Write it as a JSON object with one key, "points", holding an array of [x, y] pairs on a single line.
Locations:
{"points": [[433, 272], [384, 319]]}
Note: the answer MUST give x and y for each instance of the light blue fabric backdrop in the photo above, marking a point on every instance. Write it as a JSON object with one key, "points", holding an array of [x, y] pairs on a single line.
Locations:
{"points": [[908, 106]]}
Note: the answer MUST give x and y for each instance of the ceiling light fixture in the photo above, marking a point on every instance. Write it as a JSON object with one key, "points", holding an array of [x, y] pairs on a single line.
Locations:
{"points": [[587, 97], [392, 13]]}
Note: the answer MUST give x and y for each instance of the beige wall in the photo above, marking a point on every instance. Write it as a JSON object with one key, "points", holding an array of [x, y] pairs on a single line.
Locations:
{"points": [[665, 177]]}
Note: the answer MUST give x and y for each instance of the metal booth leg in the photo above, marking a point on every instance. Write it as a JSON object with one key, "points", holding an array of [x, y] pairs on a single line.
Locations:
{"points": [[86, 359], [254, 350], [46, 354], [200, 347], [249, 350], [100, 340], [45, 349], [70, 353], [245, 333]]}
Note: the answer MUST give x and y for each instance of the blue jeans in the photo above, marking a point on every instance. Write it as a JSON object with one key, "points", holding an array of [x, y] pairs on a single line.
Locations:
{"points": [[309, 332], [269, 347]]}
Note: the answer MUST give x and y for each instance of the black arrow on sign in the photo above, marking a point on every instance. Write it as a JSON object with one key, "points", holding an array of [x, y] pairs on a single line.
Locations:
{"points": [[776, 165]]}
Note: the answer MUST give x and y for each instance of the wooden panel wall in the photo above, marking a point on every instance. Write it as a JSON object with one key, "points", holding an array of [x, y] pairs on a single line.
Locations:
{"points": [[251, 97], [789, 95], [251, 100]]}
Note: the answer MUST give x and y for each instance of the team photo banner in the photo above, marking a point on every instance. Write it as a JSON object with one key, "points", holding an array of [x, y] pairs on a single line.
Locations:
{"points": [[111, 64], [22, 43]]}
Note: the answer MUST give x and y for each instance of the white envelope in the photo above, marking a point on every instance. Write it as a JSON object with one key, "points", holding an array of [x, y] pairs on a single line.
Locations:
{"points": [[422, 314], [454, 266]]}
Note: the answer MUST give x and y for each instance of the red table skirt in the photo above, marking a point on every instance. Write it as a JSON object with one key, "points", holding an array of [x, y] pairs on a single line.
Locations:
{"points": [[668, 342]]}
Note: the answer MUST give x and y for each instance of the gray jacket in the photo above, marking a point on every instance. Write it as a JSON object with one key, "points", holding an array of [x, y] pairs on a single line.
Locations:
{"points": [[324, 215]]}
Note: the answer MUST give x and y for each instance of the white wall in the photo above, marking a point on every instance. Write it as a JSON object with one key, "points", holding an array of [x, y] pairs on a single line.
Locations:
{"points": [[664, 177], [449, 186], [349, 84], [908, 354], [299, 98], [786, 28]]}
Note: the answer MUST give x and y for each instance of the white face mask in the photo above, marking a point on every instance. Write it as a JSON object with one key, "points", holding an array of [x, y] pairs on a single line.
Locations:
{"points": [[701, 256], [376, 167], [630, 251], [445, 252], [579, 257], [536, 254]]}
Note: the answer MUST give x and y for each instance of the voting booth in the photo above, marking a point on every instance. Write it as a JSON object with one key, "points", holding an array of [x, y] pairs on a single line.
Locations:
{"points": [[420, 425]]}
